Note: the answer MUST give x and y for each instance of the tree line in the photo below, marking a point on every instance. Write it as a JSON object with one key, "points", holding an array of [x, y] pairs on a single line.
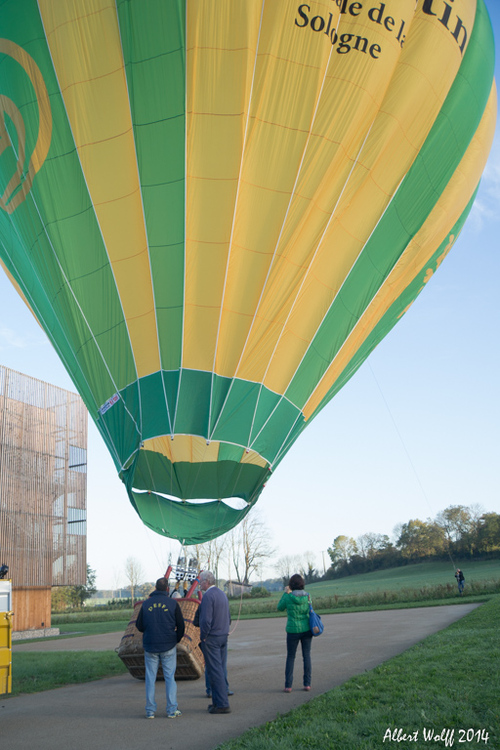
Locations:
{"points": [[459, 531]]}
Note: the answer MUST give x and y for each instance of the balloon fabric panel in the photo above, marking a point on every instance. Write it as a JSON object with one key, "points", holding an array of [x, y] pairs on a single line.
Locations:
{"points": [[217, 209]]}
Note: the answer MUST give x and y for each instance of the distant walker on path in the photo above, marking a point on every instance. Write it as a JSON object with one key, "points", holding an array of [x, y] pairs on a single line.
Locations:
{"points": [[460, 581]]}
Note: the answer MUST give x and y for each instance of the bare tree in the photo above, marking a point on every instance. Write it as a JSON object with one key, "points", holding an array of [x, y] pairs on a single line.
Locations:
{"points": [[134, 574], [219, 547], [250, 545], [287, 565], [209, 554], [117, 581], [195, 555]]}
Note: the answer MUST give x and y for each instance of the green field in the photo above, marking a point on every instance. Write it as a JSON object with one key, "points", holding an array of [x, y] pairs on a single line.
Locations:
{"points": [[412, 585], [409, 576]]}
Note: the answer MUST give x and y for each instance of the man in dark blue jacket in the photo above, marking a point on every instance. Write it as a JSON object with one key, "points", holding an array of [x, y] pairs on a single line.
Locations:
{"points": [[214, 630], [162, 624]]}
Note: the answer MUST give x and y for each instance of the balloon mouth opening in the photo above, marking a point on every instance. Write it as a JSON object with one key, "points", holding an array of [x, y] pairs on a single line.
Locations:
{"points": [[236, 503]]}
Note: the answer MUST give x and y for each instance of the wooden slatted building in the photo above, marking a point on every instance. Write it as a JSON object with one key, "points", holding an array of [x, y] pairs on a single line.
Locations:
{"points": [[43, 492]]}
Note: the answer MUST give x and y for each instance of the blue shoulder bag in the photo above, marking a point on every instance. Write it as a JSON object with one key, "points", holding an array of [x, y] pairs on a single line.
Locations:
{"points": [[315, 624]]}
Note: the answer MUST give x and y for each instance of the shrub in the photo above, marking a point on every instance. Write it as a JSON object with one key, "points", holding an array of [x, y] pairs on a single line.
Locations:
{"points": [[259, 592]]}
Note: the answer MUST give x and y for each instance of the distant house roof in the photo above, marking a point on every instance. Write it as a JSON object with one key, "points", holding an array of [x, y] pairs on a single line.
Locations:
{"points": [[233, 587]]}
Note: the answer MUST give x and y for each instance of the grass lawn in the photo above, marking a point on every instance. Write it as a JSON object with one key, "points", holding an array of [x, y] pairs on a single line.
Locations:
{"points": [[445, 687], [75, 629], [34, 671], [93, 628]]}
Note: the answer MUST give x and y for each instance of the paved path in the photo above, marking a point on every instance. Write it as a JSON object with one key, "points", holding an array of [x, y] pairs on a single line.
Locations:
{"points": [[109, 714]]}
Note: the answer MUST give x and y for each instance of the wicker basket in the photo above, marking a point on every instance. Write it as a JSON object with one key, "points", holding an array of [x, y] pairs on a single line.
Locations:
{"points": [[190, 661]]}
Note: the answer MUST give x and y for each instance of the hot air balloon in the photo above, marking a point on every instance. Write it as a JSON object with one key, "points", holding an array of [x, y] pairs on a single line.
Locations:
{"points": [[216, 209]]}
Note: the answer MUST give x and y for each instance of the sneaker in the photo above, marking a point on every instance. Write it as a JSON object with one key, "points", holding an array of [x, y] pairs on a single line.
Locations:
{"points": [[307, 687], [219, 710], [150, 716], [287, 690], [174, 715]]}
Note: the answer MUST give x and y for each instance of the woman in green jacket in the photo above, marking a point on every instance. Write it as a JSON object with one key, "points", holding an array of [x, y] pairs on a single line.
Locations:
{"points": [[296, 602]]}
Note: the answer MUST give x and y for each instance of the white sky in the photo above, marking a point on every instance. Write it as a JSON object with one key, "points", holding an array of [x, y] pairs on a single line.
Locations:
{"points": [[415, 430]]}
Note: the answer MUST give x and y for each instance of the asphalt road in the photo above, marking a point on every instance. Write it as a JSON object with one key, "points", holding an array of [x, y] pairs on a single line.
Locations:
{"points": [[109, 714]]}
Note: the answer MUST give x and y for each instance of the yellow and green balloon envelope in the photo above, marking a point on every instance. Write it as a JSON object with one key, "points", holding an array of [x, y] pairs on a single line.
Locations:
{"points": [[216, 209]]}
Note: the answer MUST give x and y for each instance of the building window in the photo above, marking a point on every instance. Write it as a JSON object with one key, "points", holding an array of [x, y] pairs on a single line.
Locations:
{"points": [[77, 459]]}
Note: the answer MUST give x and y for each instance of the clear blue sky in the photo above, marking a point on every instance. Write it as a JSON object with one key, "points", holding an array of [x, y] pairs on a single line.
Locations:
{"points": [[417, 429]]}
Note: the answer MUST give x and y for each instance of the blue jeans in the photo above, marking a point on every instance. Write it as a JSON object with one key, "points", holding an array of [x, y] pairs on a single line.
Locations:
{"points": [[292, 641], [214, 650], [168, 660]]}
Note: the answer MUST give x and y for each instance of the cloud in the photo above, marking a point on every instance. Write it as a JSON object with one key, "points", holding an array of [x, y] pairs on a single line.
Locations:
{"points": [[11, 339]]}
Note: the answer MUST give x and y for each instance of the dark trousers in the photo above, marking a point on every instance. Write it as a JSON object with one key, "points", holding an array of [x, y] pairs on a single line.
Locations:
{"points": [[214, 650], [292, 641]]}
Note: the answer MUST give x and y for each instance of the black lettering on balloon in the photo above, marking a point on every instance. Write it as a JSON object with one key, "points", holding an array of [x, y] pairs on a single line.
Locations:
{"points": [[460, 33], [317, 23], [302, 15]]}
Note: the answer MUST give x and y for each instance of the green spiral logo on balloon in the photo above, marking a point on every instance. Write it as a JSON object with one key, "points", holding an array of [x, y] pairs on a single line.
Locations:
{"points": [[21, 180]]}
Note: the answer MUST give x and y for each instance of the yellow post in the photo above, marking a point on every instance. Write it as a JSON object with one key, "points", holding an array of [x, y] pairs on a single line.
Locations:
{"points": [[5, 637]]}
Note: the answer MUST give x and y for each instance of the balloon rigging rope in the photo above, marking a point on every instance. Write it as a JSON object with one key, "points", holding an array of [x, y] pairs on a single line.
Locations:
{"points": [[301, 286], [410, 461], [233, 223], [32, 301], [84, 318], [181, 370], [308, 270], [170, 424], [184, 270], [292, 195], [73, 293], [239, 613], [153, 290], [286, 444], [275, 251]]}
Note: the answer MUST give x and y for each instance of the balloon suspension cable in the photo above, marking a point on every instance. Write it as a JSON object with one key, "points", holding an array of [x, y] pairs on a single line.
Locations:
{"points": [[239, 613], [407, 453]]}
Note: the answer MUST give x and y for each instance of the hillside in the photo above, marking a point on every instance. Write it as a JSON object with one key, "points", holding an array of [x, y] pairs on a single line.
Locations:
{"points": [[409, 576]]}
